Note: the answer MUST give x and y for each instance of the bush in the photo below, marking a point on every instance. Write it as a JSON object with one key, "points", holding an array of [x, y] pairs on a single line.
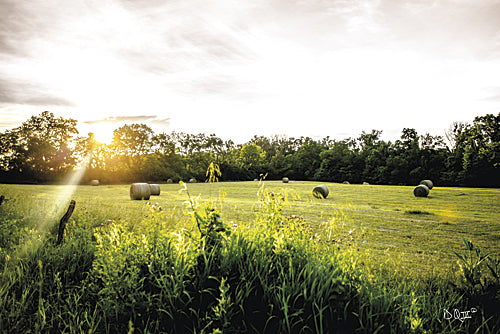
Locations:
{"points": [[267, 276]]}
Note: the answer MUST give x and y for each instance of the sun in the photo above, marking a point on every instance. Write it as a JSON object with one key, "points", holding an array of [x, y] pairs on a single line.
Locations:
{"points": [[103, 133]]}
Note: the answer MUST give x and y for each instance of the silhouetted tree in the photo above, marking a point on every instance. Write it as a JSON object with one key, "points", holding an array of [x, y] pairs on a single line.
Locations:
{"points": [[40, 149]]}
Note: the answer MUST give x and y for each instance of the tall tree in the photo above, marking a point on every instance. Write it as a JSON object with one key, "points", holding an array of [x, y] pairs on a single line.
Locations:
{"points": [[338, 163], [41, 148], [481, 147], [307, 159], [131, 143], [404, 161], [374, 154]]}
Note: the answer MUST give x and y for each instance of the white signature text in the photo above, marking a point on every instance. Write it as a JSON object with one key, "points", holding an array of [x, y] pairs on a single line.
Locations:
{"points": [[459, 315]]}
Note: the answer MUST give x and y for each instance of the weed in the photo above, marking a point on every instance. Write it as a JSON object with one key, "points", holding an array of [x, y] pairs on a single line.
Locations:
{"points": [[471, 262], [269, 272]]}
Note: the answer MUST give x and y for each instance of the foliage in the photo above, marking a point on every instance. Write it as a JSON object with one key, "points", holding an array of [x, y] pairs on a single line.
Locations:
{"points": [[270, 274], [472, 264], [40, 149], [480, 146], [44, 149]]}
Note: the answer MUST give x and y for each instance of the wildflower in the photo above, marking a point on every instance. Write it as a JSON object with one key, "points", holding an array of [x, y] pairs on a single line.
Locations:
{"points": [[350, 232], [7, 258]]}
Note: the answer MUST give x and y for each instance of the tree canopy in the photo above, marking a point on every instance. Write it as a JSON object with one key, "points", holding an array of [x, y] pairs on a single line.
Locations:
{"points": [[45, 148], [40, 149]]}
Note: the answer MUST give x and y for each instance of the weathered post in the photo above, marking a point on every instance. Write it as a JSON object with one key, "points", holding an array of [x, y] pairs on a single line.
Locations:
{"points": [[64, 220], [1, 199]]}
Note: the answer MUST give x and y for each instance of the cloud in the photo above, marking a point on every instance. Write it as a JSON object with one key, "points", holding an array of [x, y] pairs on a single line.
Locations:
{"points": [[152, 120], [26, 23], [162, 122], [19, 91], [196, 60], [452, 29], [493, 98], [121, 119], [7, 124]]}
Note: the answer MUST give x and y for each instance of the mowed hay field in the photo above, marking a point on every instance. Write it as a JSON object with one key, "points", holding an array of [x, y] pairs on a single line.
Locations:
{"points": [[388, 221]]}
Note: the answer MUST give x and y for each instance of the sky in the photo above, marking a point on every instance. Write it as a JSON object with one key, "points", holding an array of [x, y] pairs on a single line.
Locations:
{"points": [[241, 68]]}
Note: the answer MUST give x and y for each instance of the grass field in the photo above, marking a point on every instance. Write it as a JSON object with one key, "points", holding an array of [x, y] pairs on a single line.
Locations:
{"points": [[421, 232], [368, 259]]}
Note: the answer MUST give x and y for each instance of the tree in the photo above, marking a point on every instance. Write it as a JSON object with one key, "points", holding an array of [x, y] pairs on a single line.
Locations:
{"points": [[244, 162], [452, 134], [132, 140], [251, 156], [95, 157], [306, 160], [374, 154], [404, 161], [369, 140], [131, 143], [338, 163], [40, 149], [481, 152], [433, 156]]}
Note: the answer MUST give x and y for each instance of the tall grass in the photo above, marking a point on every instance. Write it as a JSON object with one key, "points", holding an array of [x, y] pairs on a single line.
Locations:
{"points": [[271, 274]]}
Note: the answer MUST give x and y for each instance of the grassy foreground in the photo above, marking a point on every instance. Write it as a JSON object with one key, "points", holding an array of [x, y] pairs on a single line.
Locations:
{"points": [[366, 259]]}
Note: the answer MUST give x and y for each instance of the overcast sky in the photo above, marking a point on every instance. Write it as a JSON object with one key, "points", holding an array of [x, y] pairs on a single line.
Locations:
{"points": [[239, 68]]}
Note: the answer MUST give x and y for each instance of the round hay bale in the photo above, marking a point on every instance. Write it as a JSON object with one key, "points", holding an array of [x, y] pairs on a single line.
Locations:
{"points": [[321, 191], [285, 180], [193, 180], [256, 179], [155, 189], [170, 181], [140, 191], [366, 183], [421, 191], [94, 183], [345, 182], [428, 183]]}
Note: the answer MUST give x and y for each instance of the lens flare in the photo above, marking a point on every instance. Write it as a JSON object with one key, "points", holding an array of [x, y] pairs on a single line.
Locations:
{"points": [[52, 214]]}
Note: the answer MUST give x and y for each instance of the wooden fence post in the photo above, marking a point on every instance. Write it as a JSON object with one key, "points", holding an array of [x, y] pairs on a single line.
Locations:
{"points": [[1, 199], [64, 220]]}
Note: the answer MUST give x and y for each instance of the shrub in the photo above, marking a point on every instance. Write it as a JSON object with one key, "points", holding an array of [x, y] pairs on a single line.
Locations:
{"points": [[269, 275]]}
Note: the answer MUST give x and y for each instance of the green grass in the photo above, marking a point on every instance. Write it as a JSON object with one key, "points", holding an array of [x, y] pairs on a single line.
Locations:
{"points": [[366, 259], [421, 231]]}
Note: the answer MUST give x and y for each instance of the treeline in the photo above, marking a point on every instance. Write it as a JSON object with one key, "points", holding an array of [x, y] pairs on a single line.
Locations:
{"points": [[45, 148]]}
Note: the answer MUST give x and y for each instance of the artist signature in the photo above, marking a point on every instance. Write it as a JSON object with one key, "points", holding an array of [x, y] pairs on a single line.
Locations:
{"points": [[459, 315]]}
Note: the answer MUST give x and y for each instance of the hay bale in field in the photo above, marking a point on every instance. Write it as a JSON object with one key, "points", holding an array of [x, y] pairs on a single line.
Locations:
{"points": [[366, 183], [421, 191], [140, 191], [155, 189], [428, 183], [256, 179], [321, 191], [345, 182], [94, 182], [170, 181], [193, 180], [285, 180]]}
